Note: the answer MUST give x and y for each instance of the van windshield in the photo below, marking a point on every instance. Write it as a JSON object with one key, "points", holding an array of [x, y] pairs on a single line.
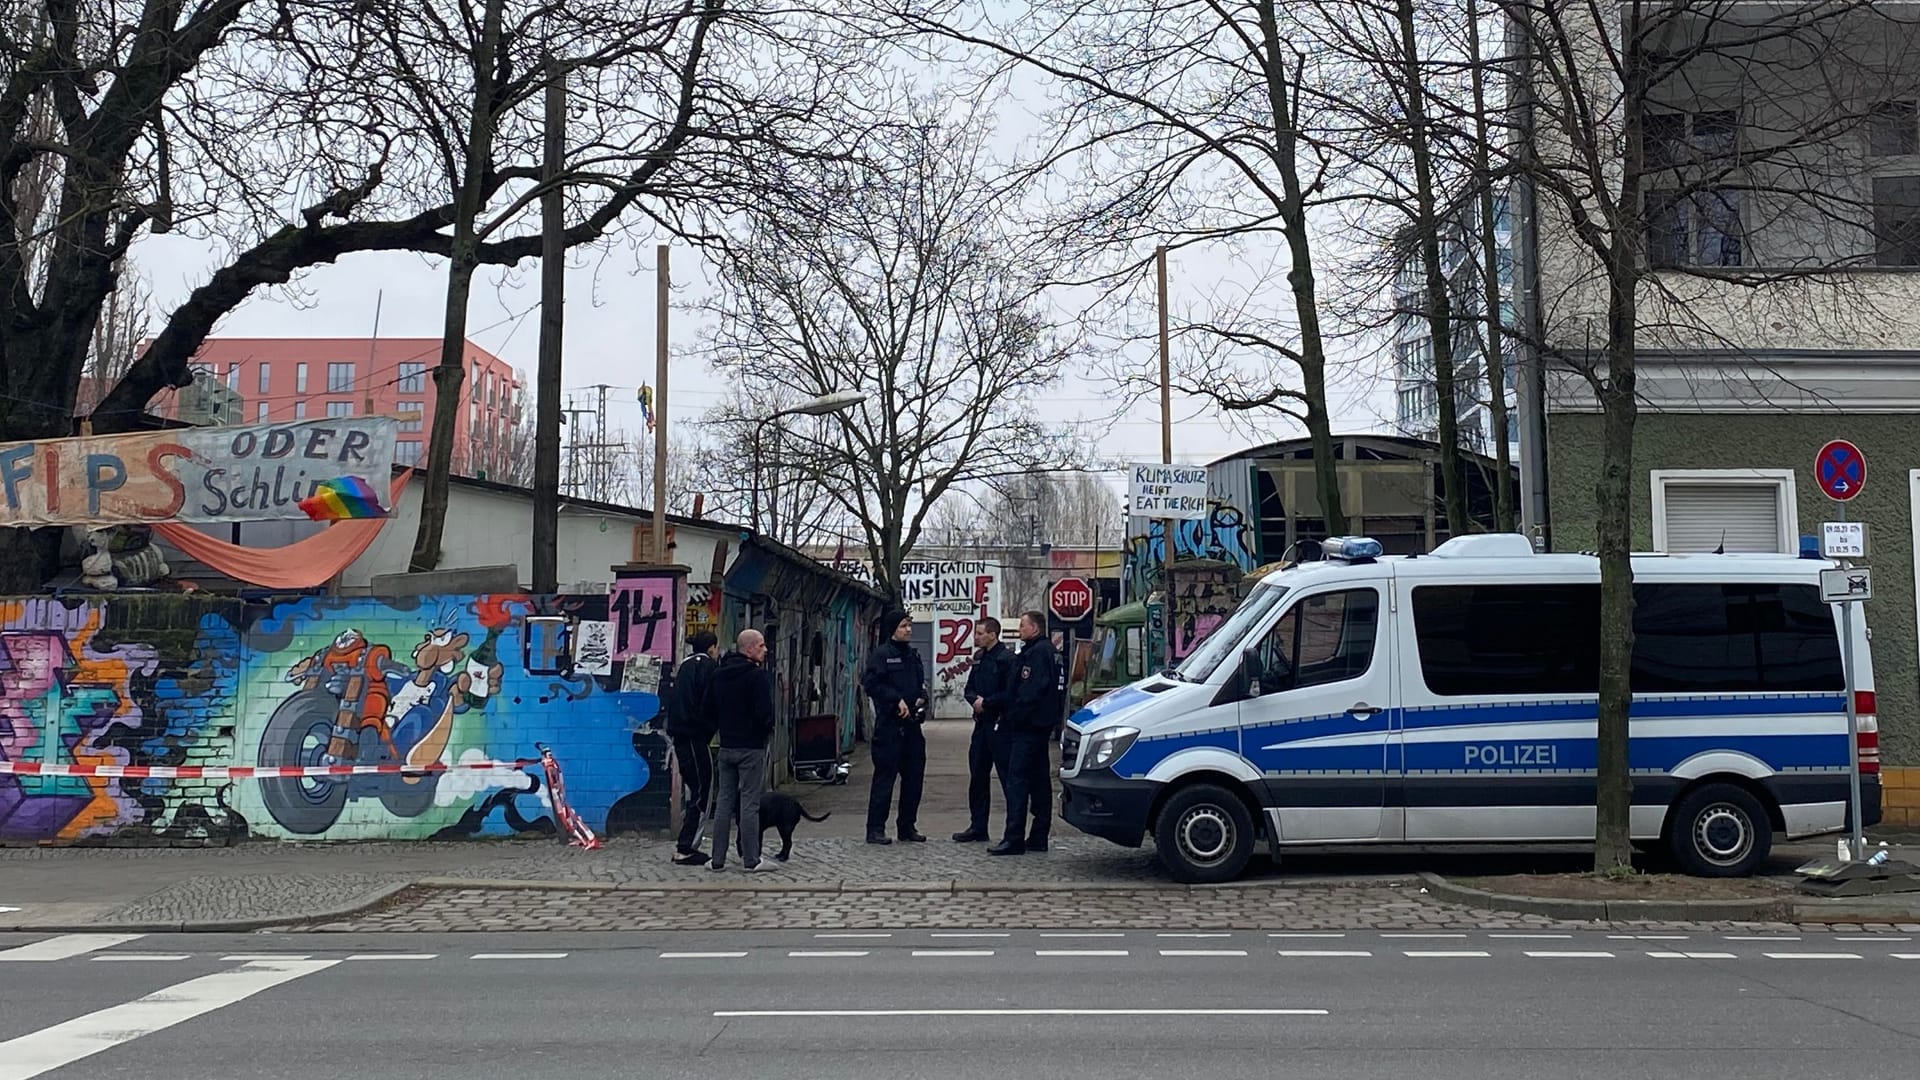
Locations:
{"points": [[1225, 640]]}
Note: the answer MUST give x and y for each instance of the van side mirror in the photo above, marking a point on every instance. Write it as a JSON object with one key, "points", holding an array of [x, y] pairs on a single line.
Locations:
{"points": [[1250, 672]]}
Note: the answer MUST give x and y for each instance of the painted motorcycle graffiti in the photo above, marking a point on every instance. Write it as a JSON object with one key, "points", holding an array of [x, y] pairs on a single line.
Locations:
{"points": [[357, 705]]}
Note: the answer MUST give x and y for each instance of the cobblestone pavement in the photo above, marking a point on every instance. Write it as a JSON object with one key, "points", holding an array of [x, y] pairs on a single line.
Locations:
{"points": [[1302, 908]]}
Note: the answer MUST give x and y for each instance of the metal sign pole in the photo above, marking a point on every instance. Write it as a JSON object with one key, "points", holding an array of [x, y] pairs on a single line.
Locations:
{"points": [[1853, 729]]}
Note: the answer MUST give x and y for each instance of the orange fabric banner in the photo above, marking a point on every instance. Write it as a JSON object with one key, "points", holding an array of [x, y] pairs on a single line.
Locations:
{"points": [[303, 564]]}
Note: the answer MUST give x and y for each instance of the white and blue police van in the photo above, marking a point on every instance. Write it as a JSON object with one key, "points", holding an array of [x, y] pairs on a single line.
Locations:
{"points": [[1452, 698]]}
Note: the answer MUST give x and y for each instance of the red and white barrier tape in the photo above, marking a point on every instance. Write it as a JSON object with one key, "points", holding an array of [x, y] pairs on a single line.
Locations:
{"points": [[245, 772]]}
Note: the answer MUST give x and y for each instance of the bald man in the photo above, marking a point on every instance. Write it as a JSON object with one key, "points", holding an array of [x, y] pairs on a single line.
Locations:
{"points": [[740, 700]]}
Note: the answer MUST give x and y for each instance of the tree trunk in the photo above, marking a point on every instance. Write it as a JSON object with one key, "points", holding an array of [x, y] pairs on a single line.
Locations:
{"points": [[1495, 358], [1439, 303], [1293, 224], [465, 258], [1614, 498]]}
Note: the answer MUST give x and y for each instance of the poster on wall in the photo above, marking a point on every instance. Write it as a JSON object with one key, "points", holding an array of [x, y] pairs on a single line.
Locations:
{"points": [[254, 473], [644, 614], [593, 647]]}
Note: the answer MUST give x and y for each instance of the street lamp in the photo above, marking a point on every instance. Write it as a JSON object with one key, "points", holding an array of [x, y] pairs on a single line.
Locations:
{"points": [[838, 401]]}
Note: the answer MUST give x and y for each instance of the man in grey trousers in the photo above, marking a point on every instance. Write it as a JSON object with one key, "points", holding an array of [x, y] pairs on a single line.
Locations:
{"points": [[740, 700]]}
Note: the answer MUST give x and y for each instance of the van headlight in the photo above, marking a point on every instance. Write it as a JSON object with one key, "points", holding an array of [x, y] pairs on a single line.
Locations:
{"points": [[1105, 747]]}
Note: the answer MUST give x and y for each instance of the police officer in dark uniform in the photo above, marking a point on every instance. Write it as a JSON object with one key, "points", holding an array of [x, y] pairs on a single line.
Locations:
{"points": [[1031, 716], [989, 689], [896, 680]]}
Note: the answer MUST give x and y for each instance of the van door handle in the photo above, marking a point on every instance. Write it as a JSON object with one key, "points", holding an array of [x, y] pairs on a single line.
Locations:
{"points": [[1365, 711]]}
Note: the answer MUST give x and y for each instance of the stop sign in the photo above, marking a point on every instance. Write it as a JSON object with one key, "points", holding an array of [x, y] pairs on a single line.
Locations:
{"points": [[1071, 599]]}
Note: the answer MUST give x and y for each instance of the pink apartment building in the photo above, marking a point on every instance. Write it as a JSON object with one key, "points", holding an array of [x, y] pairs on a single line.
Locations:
{"points": [[301, 378]]}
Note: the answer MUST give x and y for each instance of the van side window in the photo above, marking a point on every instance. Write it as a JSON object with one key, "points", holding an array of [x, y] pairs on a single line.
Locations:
{"points": [[1733, 638], [1477, 640], [1327, 638]]}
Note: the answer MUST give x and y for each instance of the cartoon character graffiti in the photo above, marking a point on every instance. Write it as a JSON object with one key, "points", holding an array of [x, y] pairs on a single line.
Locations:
{"points": [[357, 705]]}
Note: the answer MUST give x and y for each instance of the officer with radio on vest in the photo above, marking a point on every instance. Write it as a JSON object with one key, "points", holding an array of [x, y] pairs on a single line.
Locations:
{"points": [[896, 680], [1030, 719]]}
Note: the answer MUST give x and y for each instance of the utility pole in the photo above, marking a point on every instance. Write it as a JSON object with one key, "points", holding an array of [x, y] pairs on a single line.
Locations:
{"points": [[660, 413], [546, 437], [1166, 423]]}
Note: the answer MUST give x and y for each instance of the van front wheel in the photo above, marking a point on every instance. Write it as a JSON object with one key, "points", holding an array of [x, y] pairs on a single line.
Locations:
{"points": [[1720, 830], [1204, 835]]}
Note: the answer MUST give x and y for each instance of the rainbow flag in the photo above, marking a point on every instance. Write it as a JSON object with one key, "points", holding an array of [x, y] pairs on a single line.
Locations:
{"points": [[339, 500]]}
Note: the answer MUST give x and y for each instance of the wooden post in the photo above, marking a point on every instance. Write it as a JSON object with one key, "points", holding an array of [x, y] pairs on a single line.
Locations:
{"points": [[546, 427]]}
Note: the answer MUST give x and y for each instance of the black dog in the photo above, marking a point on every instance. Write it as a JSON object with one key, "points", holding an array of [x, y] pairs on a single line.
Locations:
{"points": [[781, 812]]}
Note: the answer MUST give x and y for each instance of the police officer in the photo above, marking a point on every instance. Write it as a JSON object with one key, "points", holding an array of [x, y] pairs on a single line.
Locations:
{"points": [[897, 682], [989, 688], [1031, 715]]}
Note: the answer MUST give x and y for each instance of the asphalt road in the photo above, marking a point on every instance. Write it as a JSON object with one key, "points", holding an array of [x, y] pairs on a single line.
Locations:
{"points": [[921, 1004]]}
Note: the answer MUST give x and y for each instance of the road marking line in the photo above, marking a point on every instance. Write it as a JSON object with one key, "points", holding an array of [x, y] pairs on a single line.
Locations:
{"points": [[1870, 937], [1905, 955], [129, 957], [701, 955], [1192, 935], [65, 947], [1324, 952], [1080, 952], [1775, 937], [518, 956], [1423, 935], [805, 1013], [395, 956], [1811, 956], [1305, 935], [1087, 934], [953, 952], [1441, 954], [969, 934], [65, 1043], [1693, 956], [1568, 955], [1203, 952], [829, 954], [1531, 937], [1648, 937], [255, 958], [824, 936]]}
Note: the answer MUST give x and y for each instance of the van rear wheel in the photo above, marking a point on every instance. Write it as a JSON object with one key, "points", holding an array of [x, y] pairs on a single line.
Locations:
{"points": [[1204, 835], [1720, 830]]}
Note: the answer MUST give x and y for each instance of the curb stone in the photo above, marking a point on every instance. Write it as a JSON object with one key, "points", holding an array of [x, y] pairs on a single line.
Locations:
{"points": [[1756, 910], [365, 902]]}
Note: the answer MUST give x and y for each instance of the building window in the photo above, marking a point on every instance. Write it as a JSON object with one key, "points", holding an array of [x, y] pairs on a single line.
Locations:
{"points": [[1896, 220], [299, 378], [1893, 129], [413, 379], [1701, 229], [262, 412], [1672, 139], [406, 452], [1725, 510], [339, 408], [417, 407], [339, 379], [265, 378], [299, 410], [233, 377]]}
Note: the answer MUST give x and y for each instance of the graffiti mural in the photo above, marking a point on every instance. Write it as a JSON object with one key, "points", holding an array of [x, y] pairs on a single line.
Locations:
{"points": [[1224, 534], [317, 681]]}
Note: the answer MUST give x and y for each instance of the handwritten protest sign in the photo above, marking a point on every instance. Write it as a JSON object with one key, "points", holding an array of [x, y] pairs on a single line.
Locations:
{"points": [[255, 473]]}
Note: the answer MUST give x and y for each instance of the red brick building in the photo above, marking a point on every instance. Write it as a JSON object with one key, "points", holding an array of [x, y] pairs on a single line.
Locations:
{"points": [[299, 378]]}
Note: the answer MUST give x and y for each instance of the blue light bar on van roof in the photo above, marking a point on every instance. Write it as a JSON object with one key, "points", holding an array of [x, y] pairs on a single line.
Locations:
{"points": [[1351, 548]]}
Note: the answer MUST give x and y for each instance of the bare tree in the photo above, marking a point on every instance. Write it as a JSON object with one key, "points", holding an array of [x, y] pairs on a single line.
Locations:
{"points": [[743, 461], [1182, 124], [1698, 171], [893, 277]]}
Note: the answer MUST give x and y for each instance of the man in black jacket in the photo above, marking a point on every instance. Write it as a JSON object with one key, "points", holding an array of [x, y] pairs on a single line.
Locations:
{"points": [[740, 694], [1031, 716], [989, 688], [897, 682], [691, 727]]}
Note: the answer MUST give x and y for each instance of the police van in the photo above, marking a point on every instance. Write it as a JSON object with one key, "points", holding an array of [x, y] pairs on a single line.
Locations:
{"points": [[1452, 697]]}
